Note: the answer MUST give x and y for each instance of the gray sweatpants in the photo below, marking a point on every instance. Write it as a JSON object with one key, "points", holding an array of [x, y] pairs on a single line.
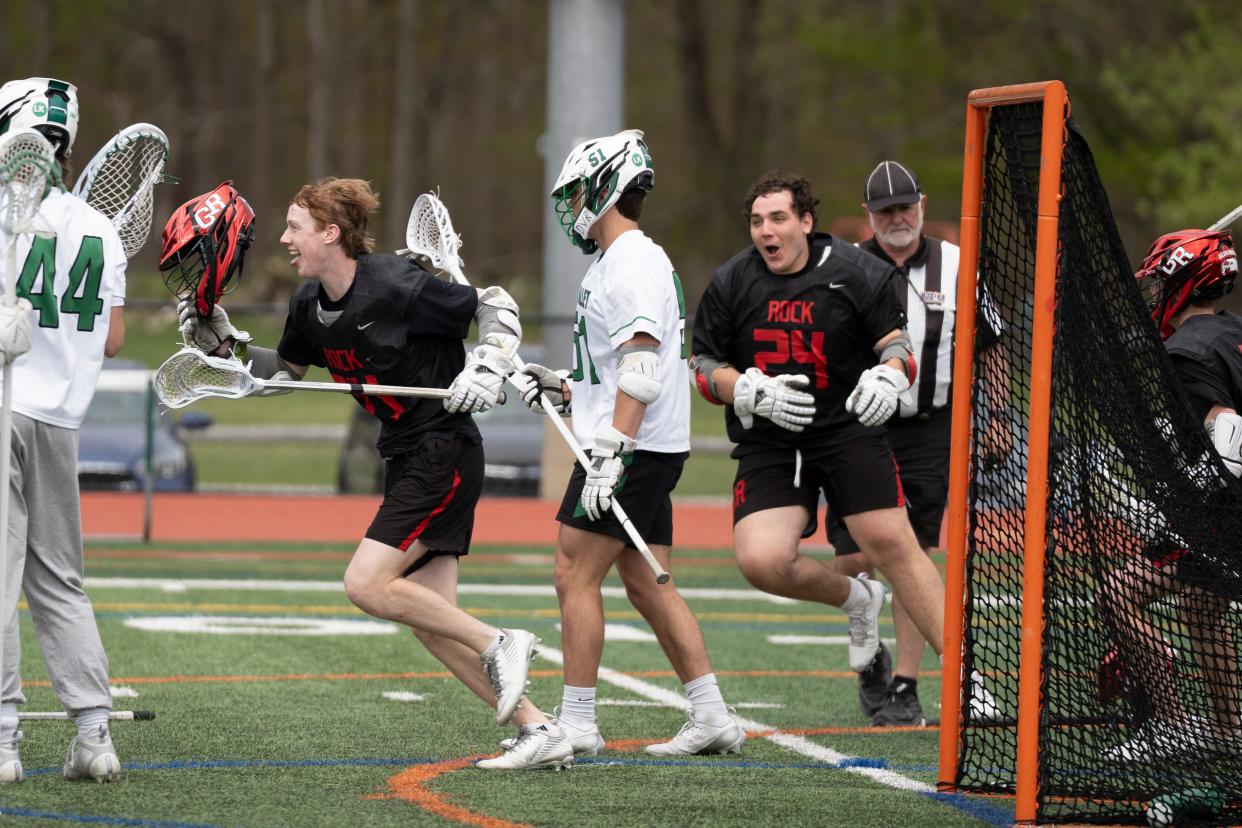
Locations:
{"points": [[45, 560]]}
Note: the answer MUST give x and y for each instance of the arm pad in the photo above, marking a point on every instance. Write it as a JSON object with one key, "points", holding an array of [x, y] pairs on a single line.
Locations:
{"points": [[703, 368], [497, 317], [638, 373], [1226, 431], [900, 347], [265, 363]]}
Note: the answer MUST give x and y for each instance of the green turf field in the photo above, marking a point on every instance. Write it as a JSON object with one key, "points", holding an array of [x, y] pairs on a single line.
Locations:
{"points": [[281, 727]]}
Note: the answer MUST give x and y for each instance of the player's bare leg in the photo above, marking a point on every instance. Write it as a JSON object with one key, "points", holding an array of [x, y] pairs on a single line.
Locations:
{"points": [[374, 583], [582, 560], [662, 607], [765, 545], [1205, 617], [885, 537], [440, 576]]}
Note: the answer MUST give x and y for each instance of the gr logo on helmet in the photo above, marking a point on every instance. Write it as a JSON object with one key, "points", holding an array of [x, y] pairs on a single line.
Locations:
{"points": [[212, 206]]}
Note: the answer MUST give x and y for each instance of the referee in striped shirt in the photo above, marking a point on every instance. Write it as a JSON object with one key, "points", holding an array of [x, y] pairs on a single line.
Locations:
{"points": [[919, 431]]}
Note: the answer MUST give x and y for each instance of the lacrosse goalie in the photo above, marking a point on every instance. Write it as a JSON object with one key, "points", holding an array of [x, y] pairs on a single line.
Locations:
{"points": [[381, 319], [72, 286]]}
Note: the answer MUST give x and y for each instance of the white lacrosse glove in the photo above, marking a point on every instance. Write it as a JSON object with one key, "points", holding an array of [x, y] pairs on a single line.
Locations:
{"points": [[875, 397], [774, 398], [1226, 434], [207, 335], [612, 453], [477, 387], [14, 330], [536, 380]]}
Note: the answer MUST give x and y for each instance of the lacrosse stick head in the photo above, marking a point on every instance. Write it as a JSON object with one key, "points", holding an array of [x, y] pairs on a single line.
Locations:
{"points": [[120, 180], [1184, 267], [205, 244], [190, 375], [27, 167], [594, 177], [429, 234], [45, 104]]}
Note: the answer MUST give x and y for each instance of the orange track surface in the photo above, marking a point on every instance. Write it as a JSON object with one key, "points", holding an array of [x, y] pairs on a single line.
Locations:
{"points": [[344, 518]]}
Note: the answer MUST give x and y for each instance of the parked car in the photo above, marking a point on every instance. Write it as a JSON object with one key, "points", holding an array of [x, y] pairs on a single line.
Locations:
{"points": [[512, 448], [112, 442]]}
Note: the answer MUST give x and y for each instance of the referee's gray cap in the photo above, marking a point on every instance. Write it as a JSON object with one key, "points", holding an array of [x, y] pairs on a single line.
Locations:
{"points": [[890, 183]]}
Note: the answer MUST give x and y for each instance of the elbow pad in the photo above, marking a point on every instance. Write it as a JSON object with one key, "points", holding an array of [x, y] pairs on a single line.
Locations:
{"points": [[639, 373]]}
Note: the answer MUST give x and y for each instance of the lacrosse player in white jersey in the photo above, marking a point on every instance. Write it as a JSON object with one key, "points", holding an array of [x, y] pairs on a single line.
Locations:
{"points": [[72, 289], [631, 413]]}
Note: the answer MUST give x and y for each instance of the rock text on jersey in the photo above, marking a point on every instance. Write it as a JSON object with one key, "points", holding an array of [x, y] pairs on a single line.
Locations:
{"points": [[790, 310], [341, 359]]}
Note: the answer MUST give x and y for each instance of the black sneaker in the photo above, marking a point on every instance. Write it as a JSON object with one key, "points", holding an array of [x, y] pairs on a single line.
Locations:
{"points": [[902, 710], [873, 682]]}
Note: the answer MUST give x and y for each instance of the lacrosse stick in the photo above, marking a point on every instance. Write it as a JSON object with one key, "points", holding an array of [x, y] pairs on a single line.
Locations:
{"points": [[27, 168], [119, 181], [429, 233], [1227, 219], [115, 715], [190, 375]]}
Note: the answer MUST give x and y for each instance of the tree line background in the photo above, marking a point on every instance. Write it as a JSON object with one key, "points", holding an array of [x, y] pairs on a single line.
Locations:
{"points": [[414, 94]]}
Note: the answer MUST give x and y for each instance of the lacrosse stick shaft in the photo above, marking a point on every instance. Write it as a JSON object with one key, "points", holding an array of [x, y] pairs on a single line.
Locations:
{"points": [[1227, 219], [115, 715], [364, 388]]}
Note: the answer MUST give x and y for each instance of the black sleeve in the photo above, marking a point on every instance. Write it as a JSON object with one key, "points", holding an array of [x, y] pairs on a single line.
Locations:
{"points": [[1204, 387], [294, 347], [438, 308], [883, 314], [987, 318], [713, 327]]}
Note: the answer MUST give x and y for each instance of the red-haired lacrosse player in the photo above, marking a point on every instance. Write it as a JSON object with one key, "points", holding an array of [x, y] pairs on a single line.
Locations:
{"points": [[73, 288], [383, 319]]}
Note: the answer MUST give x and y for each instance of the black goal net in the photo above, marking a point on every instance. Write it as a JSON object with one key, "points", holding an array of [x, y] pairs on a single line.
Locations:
{"points": [[1143, 551]]}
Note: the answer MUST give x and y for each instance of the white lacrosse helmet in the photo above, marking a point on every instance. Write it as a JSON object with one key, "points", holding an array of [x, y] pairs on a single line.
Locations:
{"points": [[45, 104], [593, 179]]}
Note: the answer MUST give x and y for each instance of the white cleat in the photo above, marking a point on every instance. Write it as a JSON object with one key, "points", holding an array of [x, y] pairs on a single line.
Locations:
{"points": [[11, 761], [93, 759], [865, 626], [507, 668], [1156, 739], [536, 746], [699, 737], [983, 706], [587, 741]]}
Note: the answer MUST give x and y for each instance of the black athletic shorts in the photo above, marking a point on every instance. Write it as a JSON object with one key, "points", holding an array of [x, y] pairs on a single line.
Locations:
{"points": [[921, 446], [859, 475], [429, 496], [644, 494]]}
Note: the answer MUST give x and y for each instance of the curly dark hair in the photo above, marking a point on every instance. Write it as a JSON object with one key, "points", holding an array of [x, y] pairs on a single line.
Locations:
{"points": [[773, 181]]}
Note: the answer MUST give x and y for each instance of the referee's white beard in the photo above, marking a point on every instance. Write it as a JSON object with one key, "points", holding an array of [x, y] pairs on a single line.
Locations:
{"points": [[900, 236]]}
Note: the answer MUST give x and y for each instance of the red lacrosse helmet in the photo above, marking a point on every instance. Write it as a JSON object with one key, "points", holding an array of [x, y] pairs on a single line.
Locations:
{"points": [[1184, 267], [205, 244]]}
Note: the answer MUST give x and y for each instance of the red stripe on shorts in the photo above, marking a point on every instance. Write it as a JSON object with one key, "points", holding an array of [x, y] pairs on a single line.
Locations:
{"points": [[901, 493], [448, 498]]}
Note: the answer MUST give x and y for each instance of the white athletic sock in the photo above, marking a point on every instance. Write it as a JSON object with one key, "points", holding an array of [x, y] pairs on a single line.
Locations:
{"points": [[859, 596], [8, 721], [91, 721], [706, 701], [578, 706]]}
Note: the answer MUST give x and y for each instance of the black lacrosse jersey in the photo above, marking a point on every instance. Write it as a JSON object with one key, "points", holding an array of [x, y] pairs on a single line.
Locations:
{"points": [[822, 323], [1207, 353], [399, 325]]}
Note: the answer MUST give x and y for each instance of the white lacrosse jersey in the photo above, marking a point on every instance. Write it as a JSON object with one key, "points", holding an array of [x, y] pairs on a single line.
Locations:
{"points": [[73, 279], [631, 289]]}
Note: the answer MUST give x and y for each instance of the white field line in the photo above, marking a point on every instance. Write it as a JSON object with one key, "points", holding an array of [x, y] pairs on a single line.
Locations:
{"points": [[817, 639], [797, 744], [260, 585], [639, 703], [401, 696]]}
